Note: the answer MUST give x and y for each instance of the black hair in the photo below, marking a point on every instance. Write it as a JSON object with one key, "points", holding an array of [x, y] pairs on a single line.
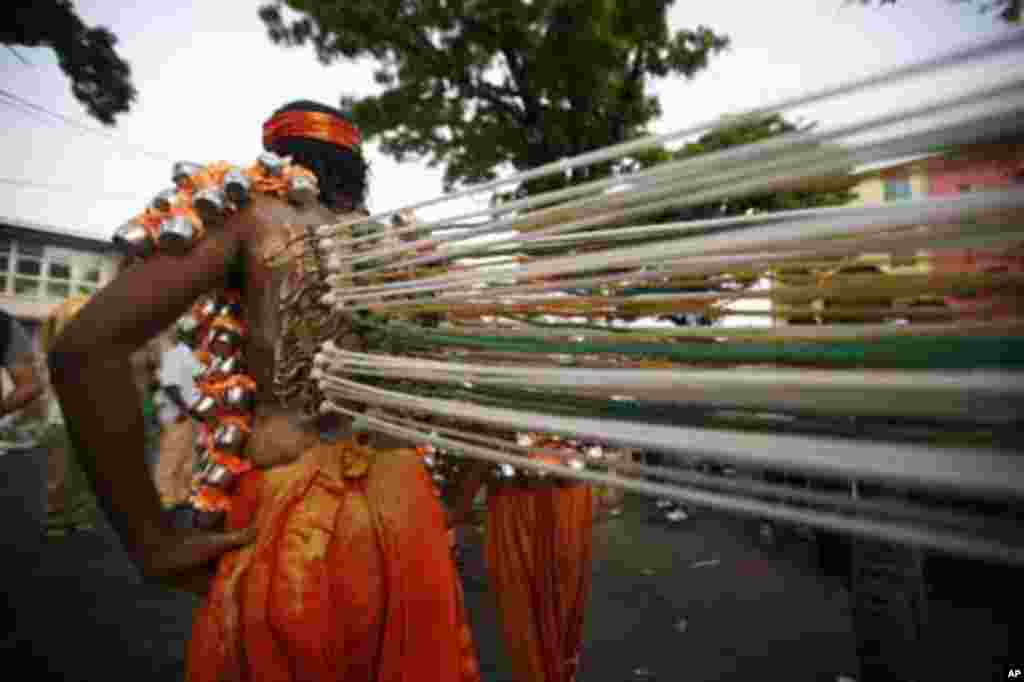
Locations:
{"points": [[341, 172]]}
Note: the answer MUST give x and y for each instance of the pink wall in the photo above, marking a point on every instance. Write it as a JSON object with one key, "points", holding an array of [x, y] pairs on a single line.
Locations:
{"points": [[945, 176], [989, 168], [1006, 303]]}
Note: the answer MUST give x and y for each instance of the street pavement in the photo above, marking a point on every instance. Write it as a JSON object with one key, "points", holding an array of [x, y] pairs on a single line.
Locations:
{"points": [[699, 601]]}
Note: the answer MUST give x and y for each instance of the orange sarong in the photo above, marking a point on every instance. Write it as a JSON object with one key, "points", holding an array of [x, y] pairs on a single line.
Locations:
{"points": [[351, 578], [539, 560]]}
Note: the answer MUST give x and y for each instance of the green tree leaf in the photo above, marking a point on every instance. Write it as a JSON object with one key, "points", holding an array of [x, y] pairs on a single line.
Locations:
{"points": [[100, 78], [831, 191], [480, 85]]}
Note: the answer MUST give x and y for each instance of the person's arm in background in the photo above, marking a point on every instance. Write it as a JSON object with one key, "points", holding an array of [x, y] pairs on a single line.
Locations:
{"points": [[20, 363], [176, 369], [173, 392], [465, 488]]}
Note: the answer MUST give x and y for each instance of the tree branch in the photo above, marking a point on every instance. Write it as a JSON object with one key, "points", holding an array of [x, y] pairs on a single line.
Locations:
{"points": [[634, 79]]}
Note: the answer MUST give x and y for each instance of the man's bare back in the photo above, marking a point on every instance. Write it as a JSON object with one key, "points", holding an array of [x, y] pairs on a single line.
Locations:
{"points": [[280, 433]]}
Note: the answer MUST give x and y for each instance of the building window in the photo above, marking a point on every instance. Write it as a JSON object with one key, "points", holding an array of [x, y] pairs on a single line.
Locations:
{"points": [[58, 289], [5, 264], [897, 188], [24, 286], [36, 271], [29, 266], [60, 271]]}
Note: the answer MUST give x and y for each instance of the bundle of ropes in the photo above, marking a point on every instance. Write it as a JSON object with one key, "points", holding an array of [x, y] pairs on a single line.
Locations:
{"points": [[528, 317]]}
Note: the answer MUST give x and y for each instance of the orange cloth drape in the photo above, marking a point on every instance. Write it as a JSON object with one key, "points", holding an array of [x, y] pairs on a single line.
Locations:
{"points": [[539, 560], [350, 579]]}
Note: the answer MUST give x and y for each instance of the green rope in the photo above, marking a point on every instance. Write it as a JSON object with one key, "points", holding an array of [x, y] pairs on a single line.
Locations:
{"points": [[562, 404], [899, 353]]}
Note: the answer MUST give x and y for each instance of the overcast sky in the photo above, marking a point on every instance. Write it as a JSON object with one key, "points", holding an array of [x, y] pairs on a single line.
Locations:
{"points": [[208, 76]]}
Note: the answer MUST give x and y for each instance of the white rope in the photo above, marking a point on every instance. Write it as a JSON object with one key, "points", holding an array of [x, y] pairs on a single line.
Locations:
{"points": [[979, 471], [882, 507], [757, 238], [756, 161], [701, 197], [974, 396], [967, 53], [904, 533]]}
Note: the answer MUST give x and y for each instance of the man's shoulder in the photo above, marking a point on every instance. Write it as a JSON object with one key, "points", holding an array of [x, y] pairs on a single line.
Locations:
{"points": [[268, 209], [270, 224], [261, 209]]}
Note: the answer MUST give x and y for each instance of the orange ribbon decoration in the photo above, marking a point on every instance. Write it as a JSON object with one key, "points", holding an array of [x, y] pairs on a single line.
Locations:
{"points": [[208, 498], [311, 124]]}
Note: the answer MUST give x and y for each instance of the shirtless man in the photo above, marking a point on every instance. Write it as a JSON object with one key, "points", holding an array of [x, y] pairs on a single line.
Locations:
{"points": [[340, 571]]}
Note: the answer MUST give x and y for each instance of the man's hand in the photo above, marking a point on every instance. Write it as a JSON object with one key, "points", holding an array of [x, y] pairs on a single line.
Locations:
{"points": [[186, 558], [466, 485]]}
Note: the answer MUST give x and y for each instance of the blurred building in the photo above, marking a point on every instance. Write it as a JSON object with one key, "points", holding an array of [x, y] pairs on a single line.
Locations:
{"points": [[41, 265], [983, 167], [968, 169]]}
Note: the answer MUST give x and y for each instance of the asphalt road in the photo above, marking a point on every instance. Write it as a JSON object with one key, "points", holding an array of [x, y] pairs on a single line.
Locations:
{"points": [[701, 600], [704, 600]]}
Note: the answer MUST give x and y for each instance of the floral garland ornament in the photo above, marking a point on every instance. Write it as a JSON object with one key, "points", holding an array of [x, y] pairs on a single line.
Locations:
{"points": [[215, 329]]}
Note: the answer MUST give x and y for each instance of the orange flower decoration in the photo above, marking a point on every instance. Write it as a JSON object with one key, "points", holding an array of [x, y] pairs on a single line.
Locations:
{"points": [[209, 498], [227, 323], [277, 185], [211, 175], [217, 388], [232, 463], [243, 422]]}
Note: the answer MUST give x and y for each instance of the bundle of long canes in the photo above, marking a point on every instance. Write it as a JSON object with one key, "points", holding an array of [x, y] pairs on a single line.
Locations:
{"points": [[531, 316]]}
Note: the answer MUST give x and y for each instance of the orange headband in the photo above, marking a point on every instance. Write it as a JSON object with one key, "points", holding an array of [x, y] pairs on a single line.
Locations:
{"points": [[311, 124]]}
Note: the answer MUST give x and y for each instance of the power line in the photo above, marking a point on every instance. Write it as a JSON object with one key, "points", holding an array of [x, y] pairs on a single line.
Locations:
{"points": [[31, 184], [11, 99]]}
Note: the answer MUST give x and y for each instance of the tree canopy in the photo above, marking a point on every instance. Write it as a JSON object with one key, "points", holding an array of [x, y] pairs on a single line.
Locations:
{"points": [[476, 84], [100, 78], [746, 130]]}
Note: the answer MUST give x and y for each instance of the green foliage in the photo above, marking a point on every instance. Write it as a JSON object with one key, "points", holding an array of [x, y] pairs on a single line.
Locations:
{"points": [[746, 131], [1007, 10], [100, 78], [479, 84]]}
